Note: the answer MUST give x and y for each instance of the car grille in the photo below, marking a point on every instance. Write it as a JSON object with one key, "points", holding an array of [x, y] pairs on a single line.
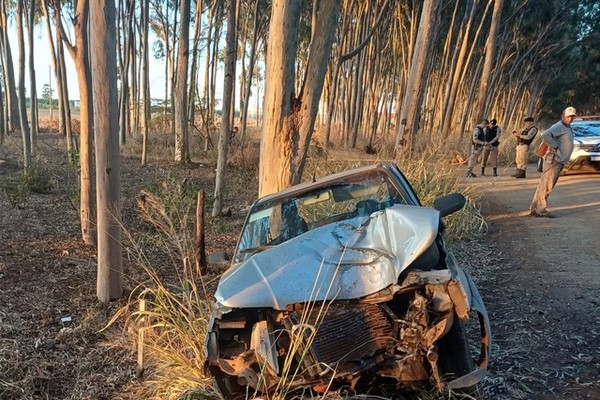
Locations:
{"points": [[349, 335]]}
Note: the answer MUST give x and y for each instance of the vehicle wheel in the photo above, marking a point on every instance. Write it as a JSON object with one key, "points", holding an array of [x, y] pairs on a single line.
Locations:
{"points": [[540, 164], [227, 385], [455, 358]]}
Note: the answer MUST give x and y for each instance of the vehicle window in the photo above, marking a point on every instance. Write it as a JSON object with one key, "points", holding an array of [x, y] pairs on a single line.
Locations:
{"points": [[584, 129], [277, 222]]}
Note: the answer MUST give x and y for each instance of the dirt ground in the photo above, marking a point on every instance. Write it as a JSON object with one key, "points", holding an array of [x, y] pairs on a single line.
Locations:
{"points": [[538, 277], [541, 283]]}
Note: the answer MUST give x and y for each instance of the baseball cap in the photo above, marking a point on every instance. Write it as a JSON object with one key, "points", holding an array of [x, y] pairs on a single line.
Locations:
{"points": [[528, 119], [570, 112]]}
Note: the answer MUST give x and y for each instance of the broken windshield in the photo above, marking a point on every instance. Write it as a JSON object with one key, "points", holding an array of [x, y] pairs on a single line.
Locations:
{"points": [[278, 221]]}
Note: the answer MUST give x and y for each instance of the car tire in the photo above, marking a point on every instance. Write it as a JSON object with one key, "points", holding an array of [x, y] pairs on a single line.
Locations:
{"points": [[455, 358]]}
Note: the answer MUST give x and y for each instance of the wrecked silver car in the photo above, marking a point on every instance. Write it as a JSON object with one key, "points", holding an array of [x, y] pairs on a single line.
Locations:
{"points": [[343, 283]]}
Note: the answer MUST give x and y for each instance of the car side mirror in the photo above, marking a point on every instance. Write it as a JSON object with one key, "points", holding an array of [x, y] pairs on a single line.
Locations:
{"points": [[449, 204]]}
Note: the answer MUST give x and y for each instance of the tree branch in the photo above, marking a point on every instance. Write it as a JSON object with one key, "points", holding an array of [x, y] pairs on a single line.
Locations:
{"points": [[361, 46]]}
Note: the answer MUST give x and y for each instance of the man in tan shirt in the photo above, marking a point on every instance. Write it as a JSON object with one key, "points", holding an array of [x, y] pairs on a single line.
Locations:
{"points": [[524, 139]]}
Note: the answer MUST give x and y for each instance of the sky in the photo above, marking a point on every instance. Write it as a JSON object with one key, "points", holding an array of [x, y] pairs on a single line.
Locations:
{"points": [[44, 74]]}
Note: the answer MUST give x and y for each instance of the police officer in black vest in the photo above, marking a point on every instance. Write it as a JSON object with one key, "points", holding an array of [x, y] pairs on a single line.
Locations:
{"points": [[477, 143], [490, 148]]}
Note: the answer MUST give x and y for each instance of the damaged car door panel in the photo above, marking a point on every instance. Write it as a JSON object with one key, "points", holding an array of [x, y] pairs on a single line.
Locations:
{"points": [[343, 282]]}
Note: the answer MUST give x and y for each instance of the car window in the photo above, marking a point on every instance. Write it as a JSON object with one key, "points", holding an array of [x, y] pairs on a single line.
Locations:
{"points": [[279, 221]]}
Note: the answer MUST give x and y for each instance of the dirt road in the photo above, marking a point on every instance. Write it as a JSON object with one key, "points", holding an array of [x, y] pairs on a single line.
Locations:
{"points": [[542, 286]]}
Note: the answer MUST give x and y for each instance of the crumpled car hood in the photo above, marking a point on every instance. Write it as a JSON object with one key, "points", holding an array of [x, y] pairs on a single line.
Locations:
{"points": [[343, 260]]}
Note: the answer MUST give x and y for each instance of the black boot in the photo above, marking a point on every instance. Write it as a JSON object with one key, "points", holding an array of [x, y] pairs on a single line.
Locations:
{"points": [[495, 171], [483, 171], [519, 174]]}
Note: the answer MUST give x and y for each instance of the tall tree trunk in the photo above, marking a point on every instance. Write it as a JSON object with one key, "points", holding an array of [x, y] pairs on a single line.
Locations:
{"points": [[228, 88], [58, 57], [206, 95], [2, 111], [80, 55], [289, 122], [32, 90], [318, 59], [124, 93], [412, 100], [54, 63], [109, 285], [279, 131], [181, 107], [22, 106], [12, 102], [64, 101], [132, 116], [145, 4], [250, 72], [490, 48], [193, 89]]}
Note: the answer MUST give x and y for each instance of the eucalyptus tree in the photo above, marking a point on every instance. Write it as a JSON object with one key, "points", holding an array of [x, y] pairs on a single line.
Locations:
{"points": [[490, 48], [164, 22], [258, 25], [109, 284], [31, 21], [2, 116], [127, 64], [57, 58], [180, 110], [80, 54], [344, 86], [416, 83], [145, 83], [21, 89], [289, 119], [210, 65], [193, 92], [12, 102], [228, 89]]}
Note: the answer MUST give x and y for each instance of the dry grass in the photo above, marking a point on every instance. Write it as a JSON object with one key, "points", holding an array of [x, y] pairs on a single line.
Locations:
{"points": [[80, 361], [177, 315]]}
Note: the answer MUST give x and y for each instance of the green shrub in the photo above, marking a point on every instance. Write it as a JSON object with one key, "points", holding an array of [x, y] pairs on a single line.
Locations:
{"points": [[38, 180]]}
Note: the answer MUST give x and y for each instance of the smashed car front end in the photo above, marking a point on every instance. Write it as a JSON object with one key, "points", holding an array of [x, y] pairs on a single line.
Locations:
{"points": [[372, 297]]}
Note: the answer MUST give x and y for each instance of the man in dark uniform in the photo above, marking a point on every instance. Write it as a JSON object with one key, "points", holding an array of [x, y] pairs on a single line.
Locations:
{"points": [[477, 142], [490, 149]]}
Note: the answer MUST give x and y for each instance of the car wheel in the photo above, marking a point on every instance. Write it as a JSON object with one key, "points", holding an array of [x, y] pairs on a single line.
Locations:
{"points": [[540, 164], [455, 358]]}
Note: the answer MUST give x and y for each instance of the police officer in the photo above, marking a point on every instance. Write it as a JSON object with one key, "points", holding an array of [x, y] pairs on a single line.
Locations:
{"points": [[477, 143], [490, 148], [524, 140]]}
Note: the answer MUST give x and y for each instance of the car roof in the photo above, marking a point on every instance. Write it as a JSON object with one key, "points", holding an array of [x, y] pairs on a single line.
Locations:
{"points": [[306, 186]]}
